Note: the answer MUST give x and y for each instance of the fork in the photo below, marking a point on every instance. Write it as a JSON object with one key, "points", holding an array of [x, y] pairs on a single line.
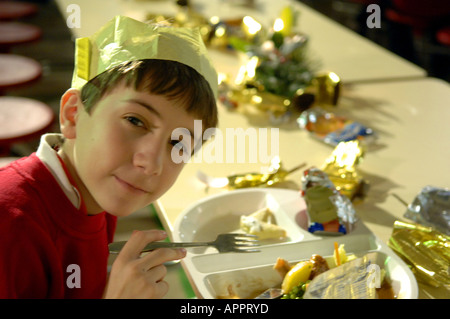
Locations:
{"points": [[224, 243]]}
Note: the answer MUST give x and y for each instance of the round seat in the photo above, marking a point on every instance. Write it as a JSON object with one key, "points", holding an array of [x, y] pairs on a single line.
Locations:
{"points": [[443, 36], [16, 70], [22, 119], [15, 33], [11, 10]]}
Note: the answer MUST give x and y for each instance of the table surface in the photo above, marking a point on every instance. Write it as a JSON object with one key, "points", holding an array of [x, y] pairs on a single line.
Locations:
{"points": [[412, 150], [336, 48]]}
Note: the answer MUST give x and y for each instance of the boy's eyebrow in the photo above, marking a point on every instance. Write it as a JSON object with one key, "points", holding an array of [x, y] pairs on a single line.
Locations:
{"points": [[146, 105]]}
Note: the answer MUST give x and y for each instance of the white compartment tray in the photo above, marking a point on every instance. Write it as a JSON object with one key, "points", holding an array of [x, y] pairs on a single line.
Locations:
{"points": [[212, 274]]}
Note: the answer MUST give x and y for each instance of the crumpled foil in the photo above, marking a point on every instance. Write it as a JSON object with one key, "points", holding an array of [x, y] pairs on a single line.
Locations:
{"points": [[325, 203], [348, 281], [431, 207], [425, 250], [275, 174]]}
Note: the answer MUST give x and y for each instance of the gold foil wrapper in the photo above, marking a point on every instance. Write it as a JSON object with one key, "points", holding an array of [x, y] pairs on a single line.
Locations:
{"points": [[275, 174], [325, 88], [341, 165], [425, 250]]}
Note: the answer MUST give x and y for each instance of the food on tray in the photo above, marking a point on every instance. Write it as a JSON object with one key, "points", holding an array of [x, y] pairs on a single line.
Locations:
{"points": [[319, 265], [297, 278], [263, 224], [282, 266], [318, 277], [298, 274], [341, 276]]}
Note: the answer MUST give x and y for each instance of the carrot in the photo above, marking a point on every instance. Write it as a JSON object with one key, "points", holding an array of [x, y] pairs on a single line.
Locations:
{"points": [[336, 250]]}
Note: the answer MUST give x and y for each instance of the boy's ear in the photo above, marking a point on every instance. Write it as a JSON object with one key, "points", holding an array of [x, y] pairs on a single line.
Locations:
{"points": [[70, 105]]}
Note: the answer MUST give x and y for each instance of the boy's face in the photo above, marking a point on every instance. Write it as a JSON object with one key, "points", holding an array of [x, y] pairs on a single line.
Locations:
{"points": [[120, 155]]}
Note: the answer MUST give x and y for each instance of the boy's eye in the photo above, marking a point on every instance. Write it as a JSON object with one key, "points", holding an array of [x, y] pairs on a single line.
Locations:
{"points": [[135, 121]]}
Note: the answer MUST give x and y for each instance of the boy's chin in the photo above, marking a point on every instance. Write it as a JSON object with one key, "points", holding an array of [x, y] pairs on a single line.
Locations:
{"points": [[124, 212]]}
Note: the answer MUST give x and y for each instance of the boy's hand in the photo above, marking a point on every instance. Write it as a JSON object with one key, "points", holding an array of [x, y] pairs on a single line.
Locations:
{"points": [[133, 276]]}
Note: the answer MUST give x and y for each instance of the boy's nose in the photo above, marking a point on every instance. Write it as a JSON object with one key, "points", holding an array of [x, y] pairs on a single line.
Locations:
{"points": [[150, 159]]}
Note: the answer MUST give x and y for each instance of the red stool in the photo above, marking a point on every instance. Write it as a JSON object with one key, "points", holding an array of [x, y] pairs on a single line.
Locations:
{"points": [[15, 33], [443, 36], [11, 10], [16, 71], [22, 119]]}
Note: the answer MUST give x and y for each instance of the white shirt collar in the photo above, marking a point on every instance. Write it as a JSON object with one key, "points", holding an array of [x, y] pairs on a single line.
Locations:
{"points": [[48, 155]]}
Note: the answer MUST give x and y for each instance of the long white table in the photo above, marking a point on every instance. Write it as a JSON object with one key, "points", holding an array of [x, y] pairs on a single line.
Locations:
{"points": [[335, 47]]}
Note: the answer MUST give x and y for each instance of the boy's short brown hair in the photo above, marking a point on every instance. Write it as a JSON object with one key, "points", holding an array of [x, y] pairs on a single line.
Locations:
{"points": [[174, 80]]}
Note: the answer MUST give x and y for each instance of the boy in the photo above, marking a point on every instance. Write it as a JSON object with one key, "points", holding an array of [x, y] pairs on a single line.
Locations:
{"points": [[134, 85]]}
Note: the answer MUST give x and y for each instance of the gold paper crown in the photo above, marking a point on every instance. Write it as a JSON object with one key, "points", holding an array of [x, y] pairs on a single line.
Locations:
{"points": [[125, 39]]}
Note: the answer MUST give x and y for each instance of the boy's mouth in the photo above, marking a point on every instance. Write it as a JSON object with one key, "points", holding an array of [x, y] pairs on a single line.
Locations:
{"points": [[129, 186]]}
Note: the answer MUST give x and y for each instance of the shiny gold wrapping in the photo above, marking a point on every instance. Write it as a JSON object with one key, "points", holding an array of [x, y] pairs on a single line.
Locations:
{"points": [[425, 250], [340, 167], [326, 87], [323, 90], [276, 174], [256, 179]]}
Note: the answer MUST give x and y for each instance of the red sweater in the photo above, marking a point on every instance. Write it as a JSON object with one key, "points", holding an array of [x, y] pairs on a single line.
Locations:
{"points": [[47, 246]]}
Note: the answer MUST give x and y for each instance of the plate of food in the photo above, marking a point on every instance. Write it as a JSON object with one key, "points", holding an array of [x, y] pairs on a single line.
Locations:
{"points": [[274, 215]]}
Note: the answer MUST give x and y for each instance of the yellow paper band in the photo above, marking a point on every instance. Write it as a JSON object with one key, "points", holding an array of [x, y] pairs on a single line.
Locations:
{"points": [[83, 58]]}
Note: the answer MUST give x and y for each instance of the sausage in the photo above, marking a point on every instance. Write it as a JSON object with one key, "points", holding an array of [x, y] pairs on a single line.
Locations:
{"points": [[320, 265]]}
